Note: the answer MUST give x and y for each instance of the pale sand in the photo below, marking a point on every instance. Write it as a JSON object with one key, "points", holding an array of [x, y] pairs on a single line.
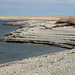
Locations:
{"points": [[60, 63]]}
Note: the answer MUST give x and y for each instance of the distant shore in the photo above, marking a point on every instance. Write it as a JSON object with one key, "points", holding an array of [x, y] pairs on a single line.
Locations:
{"points": [[26, 17]]}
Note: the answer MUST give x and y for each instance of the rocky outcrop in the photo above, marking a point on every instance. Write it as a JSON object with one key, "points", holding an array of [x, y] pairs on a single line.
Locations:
{"points": [[69, 19], [41, 32], [2, 40], [31, 22]]}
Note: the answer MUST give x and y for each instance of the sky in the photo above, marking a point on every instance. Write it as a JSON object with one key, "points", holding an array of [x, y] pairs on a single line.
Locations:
{"points": [[37, 7]]}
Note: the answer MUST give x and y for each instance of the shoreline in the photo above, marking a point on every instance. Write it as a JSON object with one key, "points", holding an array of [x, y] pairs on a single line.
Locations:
{"points": [[54, 63], [39, 32]]}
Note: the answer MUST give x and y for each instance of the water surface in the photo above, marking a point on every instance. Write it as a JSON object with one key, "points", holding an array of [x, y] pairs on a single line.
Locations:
{"points": [[15, 51], [6, 29]]}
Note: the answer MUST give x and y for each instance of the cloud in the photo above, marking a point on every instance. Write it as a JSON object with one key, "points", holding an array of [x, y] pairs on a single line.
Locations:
{"points": [[37, 7], [40, 1], [21, 3], [71, 1]]}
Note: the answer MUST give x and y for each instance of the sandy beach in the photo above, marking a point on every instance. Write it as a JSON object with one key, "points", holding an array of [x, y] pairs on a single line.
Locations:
{"points": [[61, 63]]}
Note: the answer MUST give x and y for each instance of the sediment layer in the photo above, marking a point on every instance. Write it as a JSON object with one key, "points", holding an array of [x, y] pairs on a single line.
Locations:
{"points": [[41, 31]]}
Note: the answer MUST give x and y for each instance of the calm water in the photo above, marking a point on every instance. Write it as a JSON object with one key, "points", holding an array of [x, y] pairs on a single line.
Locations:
{"points": [[15, 51], [6, 29]]}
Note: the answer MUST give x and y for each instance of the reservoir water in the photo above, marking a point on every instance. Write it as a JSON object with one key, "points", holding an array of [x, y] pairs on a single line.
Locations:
{"points": [[17, 51]]}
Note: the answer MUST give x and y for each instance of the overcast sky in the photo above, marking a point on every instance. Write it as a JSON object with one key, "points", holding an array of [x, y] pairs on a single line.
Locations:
{"points": [[37, 7]]}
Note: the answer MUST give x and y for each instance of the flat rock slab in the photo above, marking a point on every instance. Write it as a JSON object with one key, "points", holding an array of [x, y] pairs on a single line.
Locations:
{"points": [[37, 31]]}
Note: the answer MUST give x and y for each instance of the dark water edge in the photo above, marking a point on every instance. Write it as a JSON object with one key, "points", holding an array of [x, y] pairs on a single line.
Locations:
{"points": [[6, 29], [16, 51]]}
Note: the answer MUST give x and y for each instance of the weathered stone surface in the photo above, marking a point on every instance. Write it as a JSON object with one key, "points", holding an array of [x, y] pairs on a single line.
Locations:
{"points": [[31, 23], [68, 19], [41, 31], [2, 40]]}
